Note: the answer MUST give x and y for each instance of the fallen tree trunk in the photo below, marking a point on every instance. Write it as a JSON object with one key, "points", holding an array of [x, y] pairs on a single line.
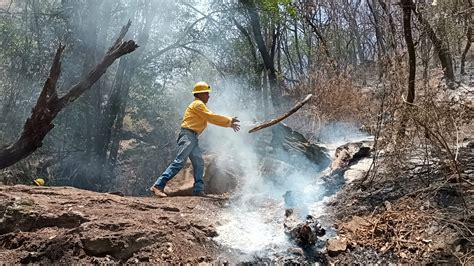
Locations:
{"points": [[279, 119], [49, 104]]}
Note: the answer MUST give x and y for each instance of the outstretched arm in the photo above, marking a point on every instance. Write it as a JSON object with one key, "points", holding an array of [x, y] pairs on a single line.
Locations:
{"points": [[218, 120]]}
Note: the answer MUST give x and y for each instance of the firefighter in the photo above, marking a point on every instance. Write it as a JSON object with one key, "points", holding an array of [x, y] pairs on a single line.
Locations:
{"points": [[194, 122]]}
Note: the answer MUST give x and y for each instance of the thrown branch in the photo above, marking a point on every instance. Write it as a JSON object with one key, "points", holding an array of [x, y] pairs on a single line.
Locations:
{"points": [[279, 119]]}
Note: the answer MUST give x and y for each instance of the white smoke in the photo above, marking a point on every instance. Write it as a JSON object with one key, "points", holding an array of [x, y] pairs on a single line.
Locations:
{"points": [[253, 223]]}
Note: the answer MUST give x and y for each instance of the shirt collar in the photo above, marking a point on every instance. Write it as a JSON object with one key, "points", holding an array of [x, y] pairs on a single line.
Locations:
{"points": [[197, 99]]}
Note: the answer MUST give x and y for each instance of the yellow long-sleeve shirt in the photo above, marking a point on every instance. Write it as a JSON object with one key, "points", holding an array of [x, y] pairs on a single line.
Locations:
{"points": [[197, 115]]}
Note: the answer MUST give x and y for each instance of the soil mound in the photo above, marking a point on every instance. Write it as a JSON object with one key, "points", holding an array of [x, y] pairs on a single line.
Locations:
{"points": [[65, 225]]}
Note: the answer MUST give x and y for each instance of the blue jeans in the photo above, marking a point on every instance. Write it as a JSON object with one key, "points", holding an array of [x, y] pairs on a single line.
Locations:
{"points": [[188, 146]]}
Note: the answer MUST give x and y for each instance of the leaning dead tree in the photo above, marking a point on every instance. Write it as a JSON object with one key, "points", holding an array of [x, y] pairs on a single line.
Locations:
{"points": [[49, 104]]}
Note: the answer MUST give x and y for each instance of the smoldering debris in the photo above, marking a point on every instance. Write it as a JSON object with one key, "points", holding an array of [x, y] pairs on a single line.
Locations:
{"points": [[304, 233]]}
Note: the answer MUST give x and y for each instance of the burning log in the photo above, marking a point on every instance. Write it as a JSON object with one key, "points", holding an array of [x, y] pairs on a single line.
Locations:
{"points": [[305, 233], [279, 119]]}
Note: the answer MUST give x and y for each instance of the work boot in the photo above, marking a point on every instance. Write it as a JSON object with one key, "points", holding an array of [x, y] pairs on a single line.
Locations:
{"points": [[199, 194], [158, 192]]}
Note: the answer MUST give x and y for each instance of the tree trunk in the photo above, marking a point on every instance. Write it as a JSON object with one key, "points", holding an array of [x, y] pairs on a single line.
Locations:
{"points": [[297, 46], [100, 134], [425, 48], [381, 51], [320, 36], [49, 104], [88, 37], [256, 80], [21, 79], [440, 47], [351, 17], [309, 45], [266, 110], [113, 107], [391, 23], [466, 49], [406, 7], [116, 130], [38, 34], [275, 90], [291, 65], [131, 65]]}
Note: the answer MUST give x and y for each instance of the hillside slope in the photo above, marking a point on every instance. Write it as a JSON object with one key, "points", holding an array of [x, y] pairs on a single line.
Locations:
{"points": [[64, 225]]}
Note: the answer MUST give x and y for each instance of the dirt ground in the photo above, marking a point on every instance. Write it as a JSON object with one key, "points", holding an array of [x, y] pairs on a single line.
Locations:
{"points": [[66, 225]]}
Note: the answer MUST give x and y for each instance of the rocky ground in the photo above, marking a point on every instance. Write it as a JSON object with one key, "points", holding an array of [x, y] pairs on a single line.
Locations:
{"points": [[412, 218], [66, 225]]}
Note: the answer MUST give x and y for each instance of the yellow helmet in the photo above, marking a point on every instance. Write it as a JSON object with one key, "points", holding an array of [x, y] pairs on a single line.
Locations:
{"points": [[39, 181], [201, 87]]}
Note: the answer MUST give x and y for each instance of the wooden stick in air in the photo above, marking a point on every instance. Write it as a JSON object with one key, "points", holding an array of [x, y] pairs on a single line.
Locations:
{"points": [[278, 119]]}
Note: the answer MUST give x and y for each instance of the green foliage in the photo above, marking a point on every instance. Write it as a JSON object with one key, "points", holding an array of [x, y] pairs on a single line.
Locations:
{"points": [[278, 8]]}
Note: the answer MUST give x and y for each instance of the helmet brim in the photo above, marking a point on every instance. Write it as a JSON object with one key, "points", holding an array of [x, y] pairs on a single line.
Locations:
{"points": [[196, 92]]}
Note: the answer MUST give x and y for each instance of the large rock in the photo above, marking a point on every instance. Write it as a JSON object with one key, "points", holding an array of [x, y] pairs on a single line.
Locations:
{"points": [[120, 241], [218, 178], [286, 144], [352, 161], [276, 168], [350, 153], [63, 225], [282, 151], [25, 215]]}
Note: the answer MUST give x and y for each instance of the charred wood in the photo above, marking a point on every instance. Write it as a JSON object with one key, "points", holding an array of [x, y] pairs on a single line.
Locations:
{"points": [[48, 105]]}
